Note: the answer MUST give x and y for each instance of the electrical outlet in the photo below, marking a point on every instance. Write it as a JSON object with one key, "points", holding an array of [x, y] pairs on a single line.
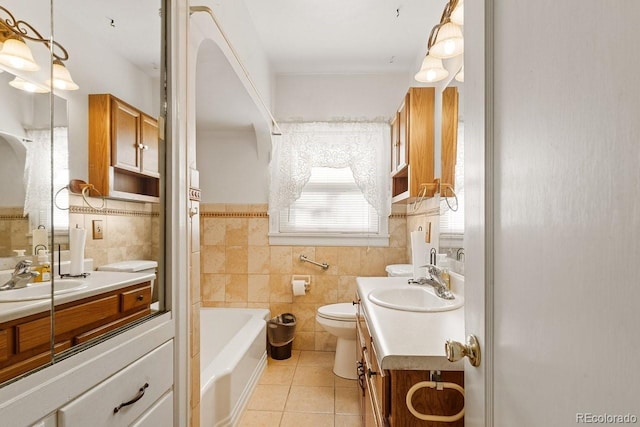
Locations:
{"points": [[97, 229]]}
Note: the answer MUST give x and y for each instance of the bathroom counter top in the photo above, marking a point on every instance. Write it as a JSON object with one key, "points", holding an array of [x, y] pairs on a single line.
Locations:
{"points": [[407, 340], [98, 282]]}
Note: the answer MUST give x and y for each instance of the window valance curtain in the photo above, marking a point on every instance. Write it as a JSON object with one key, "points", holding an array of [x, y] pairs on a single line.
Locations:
{"points": [[359, 146]]}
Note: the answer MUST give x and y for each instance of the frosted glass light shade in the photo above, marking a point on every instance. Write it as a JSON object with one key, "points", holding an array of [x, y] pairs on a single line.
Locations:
{"points": [[27, 86], [431, 70], [16, 54], [449, 42], [457, 16], [62, 78], [460, 76]]}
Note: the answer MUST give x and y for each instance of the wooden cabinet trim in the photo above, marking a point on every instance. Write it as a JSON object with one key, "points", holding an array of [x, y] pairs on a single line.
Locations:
{"points": [[103, 329], [36, 361]]}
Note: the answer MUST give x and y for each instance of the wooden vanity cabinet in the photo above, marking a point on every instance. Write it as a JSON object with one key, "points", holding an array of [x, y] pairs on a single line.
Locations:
{"points": [[383, 392], [412, 136], [123, 150], [25, 342]]}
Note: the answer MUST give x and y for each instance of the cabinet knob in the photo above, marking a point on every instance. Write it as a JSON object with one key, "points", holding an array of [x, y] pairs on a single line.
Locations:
{"points": [[371, 373], [140, 297]]}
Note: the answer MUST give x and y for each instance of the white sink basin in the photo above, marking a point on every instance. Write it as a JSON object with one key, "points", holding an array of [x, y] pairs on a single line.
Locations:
{"points": [[35, 291], [413, 298]]}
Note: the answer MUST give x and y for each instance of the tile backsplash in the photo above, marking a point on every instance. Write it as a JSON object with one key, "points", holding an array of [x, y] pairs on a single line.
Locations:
{"points": [[240, 269]]}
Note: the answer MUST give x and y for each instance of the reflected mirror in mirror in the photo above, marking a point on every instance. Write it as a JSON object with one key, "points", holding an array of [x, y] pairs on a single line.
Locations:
{"points": [[25, 168], [451, 238]]}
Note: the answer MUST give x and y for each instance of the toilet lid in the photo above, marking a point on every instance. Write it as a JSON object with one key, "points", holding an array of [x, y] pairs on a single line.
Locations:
{"points": [[130, 266], [341, 311]]}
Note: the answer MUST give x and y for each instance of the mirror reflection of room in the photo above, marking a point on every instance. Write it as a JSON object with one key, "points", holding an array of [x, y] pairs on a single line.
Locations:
{"points": [[74, 221]]}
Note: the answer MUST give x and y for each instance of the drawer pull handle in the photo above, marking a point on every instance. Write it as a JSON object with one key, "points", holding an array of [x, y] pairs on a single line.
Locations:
{"points": [[132, 401], [140, 297]]}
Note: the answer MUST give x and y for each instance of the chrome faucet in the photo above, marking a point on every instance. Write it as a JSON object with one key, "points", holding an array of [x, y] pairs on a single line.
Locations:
{"points": [[435, 281], [21, 276]]}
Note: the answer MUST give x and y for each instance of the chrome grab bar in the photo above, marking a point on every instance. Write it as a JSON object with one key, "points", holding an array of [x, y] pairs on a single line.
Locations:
{"points": [[323, 265]]}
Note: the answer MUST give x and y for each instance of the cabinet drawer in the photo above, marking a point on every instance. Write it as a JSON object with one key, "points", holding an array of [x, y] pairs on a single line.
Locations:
{"points": [[103, 329], [32, 334], [4, 345], [136, 298], [97, 406], [159, 415]]}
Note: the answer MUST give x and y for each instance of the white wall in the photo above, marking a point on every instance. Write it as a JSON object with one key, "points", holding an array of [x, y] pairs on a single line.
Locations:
{"points": [[339, 97], [231, 171], [567, 210]]}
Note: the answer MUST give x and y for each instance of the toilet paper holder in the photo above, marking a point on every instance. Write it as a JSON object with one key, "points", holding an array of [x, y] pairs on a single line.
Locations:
{"points": [[305, 277]]}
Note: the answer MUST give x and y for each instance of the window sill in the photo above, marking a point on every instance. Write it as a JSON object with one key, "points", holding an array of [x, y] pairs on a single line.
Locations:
{"points": [[282, 239]]}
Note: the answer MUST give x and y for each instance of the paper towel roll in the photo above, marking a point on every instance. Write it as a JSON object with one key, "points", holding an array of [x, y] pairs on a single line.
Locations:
{"points": [[39, 239], [419, 253], [77, 239], [298, 287]]}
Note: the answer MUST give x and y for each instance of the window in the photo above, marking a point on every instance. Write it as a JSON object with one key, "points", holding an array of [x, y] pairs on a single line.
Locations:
{"points": [[317, 198]]}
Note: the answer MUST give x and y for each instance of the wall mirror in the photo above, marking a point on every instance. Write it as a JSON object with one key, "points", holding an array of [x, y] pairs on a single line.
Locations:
{"points": [[451, 237], [112, 48]]}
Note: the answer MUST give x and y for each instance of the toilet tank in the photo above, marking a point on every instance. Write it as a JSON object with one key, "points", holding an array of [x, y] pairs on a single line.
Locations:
{"points": [[399, 270]]}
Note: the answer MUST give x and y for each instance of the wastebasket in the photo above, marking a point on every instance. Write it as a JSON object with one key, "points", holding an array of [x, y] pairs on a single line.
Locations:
{"points": [[280, 333]]}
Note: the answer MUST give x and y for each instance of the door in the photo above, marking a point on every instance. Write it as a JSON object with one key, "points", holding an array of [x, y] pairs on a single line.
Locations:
{"points": [[552, 229]]}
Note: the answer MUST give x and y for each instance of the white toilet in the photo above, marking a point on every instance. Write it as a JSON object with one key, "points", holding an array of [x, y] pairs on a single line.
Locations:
{"points": [[340, 320]]}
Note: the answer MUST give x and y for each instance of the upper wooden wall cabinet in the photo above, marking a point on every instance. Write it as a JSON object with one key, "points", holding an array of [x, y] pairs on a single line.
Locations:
{"points": [[123, 150], [412, 150], [449, 139]]}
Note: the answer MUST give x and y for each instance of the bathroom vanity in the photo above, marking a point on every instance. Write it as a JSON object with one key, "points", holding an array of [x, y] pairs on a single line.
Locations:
{"points": [[102, 302], [397, 349]]}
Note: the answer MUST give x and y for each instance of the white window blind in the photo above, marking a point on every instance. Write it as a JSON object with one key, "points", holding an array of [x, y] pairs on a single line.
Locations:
{"points": [[330, 202]]}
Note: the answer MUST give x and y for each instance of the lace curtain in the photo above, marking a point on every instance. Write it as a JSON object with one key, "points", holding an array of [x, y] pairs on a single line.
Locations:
{"points": [[37, 173], [359, 146]]}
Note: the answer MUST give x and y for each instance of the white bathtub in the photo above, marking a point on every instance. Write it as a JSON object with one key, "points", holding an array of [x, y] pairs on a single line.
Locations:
{"points": [[232, 358]]}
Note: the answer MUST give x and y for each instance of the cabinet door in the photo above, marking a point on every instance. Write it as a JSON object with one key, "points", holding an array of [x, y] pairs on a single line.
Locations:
{"points": [[395, 143], [125, 125], [149, 146], [403, 137]]}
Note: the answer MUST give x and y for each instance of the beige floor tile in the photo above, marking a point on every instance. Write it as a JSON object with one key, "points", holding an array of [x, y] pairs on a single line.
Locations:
{"points": [[302, 419], [310, 399], [292, 361], [343, 382], [348, 421], [319, 376], [267, 397], [316, 358], [278, 375], [260, 419], [347, 401]]}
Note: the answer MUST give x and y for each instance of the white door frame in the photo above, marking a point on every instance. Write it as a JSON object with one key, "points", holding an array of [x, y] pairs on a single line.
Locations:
{"points": [[479, 205]]}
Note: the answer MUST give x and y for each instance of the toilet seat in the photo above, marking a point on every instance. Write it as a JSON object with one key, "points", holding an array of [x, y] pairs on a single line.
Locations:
{"points": [[345, 312]]}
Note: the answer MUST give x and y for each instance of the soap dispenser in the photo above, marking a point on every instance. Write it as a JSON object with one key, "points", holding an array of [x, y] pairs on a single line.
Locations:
{"points": [[43, 267]]}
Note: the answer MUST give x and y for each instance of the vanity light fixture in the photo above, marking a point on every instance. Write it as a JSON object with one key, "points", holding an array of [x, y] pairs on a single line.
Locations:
{"points": [[16, 54], [27, 86], [457, 15], [460, 76], [431, 71], [445, 41]]}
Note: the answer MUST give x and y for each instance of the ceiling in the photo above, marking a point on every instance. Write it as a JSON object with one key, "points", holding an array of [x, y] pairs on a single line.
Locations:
{"points": [[338, 36], [298, 37]]}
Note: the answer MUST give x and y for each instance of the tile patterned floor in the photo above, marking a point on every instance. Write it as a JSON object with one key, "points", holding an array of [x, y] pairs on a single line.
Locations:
{"points": [[303, 391]]}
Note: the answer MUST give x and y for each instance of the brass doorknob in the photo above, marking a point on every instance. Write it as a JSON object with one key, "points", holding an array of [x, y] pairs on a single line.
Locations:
{"points": [[456, 351]]}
